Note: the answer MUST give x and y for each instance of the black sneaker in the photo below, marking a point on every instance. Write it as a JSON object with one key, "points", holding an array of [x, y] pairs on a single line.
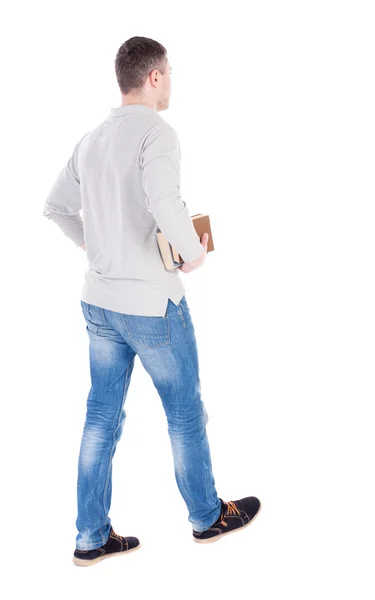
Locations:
{"points": [[116, 544], [234, 515]]}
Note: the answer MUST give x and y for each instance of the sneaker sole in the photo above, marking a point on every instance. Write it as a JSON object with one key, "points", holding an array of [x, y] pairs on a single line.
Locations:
{"points": [[81, 562], [217, 537]]}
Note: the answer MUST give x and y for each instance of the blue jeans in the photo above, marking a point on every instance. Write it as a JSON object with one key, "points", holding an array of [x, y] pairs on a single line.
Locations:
{"points": [[167, 349]]}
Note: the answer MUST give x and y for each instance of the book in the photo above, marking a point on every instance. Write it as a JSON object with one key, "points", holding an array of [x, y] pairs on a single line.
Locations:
{"points": [[171, 258]]}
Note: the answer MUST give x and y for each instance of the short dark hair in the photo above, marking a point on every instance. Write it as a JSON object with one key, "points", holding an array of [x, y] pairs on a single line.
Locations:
{"points": [[135, 59]]}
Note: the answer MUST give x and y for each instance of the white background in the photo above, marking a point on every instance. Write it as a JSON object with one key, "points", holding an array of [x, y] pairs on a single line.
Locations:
{"points": [[274, 106]]}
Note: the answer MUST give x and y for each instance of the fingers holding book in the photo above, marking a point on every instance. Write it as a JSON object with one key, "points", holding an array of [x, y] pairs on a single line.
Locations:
{"points": [[187, 267]]}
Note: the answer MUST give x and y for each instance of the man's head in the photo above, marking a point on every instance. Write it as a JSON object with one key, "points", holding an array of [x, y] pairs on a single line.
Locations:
{"points": [[143, 73]]}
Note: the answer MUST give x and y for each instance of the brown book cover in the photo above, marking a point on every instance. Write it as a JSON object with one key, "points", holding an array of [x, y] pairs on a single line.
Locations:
{"points": [[170, 256]]}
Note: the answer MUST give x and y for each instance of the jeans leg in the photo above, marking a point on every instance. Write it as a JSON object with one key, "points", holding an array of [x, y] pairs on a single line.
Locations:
{"points": [[111, 366], [174, 369]]}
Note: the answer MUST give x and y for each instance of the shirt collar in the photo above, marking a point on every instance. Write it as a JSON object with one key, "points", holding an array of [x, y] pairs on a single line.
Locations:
{"points": [[127, 109]]}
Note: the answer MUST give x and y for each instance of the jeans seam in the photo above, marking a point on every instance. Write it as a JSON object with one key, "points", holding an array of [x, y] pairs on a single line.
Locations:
{"points": [[105, 318], [89, 312], [113, 435], [125, 325], [181, 315]]}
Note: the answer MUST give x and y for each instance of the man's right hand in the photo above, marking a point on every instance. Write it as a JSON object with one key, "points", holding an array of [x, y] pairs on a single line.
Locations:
{"points": [[187, 267]]}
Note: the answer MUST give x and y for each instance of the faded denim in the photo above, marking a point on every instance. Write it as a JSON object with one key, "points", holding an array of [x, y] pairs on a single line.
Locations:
{"points": [[167, 349]]}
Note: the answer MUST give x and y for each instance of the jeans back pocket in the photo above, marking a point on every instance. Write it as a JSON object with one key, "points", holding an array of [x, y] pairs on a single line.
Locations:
{"points": [[150, 332]]}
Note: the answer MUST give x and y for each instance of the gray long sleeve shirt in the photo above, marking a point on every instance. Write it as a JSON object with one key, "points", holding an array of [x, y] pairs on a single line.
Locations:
{"points": [[125, 177]]}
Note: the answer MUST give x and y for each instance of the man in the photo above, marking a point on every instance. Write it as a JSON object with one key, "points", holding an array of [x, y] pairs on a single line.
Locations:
{"points": [[125, 176]]}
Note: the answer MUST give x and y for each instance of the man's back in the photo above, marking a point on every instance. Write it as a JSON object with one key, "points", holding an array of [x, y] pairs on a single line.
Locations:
{"points": [[128, 169]]}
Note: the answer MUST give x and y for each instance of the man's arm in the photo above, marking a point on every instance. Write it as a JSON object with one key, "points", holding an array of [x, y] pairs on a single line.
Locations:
{"points": [[160, 166], [63, 202]]}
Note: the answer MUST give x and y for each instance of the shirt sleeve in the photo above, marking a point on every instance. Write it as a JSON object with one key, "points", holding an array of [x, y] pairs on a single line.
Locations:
{"points": [[160, 167], [63, 202]]}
